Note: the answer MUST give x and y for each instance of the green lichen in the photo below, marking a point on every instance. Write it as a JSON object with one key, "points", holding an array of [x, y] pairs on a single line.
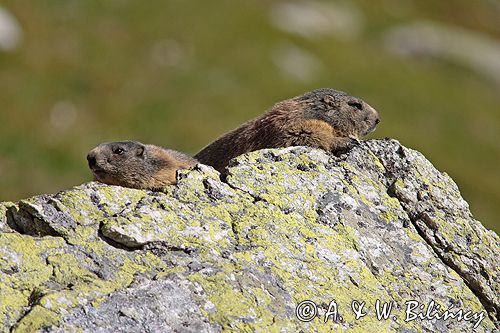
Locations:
{"points": [[39, 317], [24, 269], [261, 240], [4, 207]]}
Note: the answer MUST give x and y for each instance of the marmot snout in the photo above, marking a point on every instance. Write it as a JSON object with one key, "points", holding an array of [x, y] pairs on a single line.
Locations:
{"points": [[136, 165]]}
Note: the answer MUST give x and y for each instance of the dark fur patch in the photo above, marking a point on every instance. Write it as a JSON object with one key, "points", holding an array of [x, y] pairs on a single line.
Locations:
{"points": [[320, 94]]}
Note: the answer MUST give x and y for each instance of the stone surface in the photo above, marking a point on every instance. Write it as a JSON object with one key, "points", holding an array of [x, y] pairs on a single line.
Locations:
{"points": [[239, 252]]}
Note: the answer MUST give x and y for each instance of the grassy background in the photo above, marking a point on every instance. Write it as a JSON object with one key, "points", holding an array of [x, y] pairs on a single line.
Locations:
{"points": [[180, 73]]}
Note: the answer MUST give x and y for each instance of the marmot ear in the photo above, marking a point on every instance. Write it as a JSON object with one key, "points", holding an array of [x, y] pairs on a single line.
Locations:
{"points": [[140, 151], [330, 100]]}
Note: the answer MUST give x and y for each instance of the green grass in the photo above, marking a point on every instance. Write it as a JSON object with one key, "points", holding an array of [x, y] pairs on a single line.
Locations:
{"points": [[98, 55]]}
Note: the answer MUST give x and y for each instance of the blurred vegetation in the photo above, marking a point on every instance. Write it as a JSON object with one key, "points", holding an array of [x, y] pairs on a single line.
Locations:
{"points": [[180, 73]]}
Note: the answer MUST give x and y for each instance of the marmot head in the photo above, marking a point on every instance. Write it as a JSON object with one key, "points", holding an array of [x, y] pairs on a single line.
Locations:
{"points": [[349, 116], [119, 163]]}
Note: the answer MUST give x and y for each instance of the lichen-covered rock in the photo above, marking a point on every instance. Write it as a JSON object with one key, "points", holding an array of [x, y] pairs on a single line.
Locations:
{"points": [[242, 251]]}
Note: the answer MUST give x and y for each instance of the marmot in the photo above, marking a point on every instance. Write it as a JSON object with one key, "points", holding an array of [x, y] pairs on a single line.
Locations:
{"points": [[136, 165], [323, 118]]}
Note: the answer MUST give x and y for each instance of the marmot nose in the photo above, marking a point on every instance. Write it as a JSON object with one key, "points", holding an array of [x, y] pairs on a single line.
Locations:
{"points": [[91, 159], [377, 120]]}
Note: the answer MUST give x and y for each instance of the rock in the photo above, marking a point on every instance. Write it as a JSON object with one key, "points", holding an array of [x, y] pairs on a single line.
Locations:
{"points": [[10, 31], [241, 251], [297, 63], [475, 50], [317, 19]]}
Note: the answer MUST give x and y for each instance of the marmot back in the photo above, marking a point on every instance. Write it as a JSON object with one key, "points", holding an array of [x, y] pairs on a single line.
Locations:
{"points": [[323, 118], [136, 165]]}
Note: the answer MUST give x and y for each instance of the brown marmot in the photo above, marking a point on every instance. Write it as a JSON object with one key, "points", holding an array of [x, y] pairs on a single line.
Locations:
{"points": [[323, 118], [136, 165]]}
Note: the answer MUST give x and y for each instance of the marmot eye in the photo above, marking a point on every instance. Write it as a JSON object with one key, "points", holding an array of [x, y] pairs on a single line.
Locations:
{"points": [[118, 150], [356, 105]]}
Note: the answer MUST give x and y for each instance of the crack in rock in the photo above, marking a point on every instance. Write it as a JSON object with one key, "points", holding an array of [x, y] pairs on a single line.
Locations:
{"points": [[423, 214]]}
